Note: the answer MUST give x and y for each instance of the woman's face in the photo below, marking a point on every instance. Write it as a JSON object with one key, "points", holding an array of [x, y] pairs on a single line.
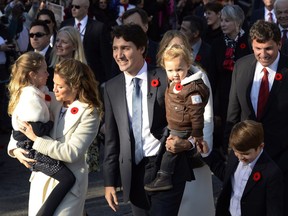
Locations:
{"points": [[40, 77], [211, 17], [229, 26], [64, 46], [48, 21], [62, 91]]}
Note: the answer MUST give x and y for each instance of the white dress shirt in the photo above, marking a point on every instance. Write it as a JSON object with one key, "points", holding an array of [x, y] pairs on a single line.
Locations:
{"points": [[82, 27], [151, 145], [239, 181], [267, 16]]}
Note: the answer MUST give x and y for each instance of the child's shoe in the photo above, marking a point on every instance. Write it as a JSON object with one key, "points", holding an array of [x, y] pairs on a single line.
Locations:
{"points": [[162, 182]]}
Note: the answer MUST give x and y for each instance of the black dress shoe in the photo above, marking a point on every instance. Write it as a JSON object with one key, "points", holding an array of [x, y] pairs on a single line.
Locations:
{"points": [[162, 182]]}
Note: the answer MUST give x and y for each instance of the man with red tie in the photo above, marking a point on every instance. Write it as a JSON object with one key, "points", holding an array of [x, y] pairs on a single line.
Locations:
{"points": [[259, 92]]}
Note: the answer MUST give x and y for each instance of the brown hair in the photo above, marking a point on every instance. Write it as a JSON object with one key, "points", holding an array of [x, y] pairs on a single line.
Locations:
{"points": [[79, 76], [263, 31], [246, 135]]}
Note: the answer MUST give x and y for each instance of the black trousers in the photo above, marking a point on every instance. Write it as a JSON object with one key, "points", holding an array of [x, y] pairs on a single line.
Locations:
{"points": [[66, 181], [153, 203]]}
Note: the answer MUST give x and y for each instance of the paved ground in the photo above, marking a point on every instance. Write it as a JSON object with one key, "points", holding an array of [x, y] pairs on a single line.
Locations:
{"points": [[14, 188]]}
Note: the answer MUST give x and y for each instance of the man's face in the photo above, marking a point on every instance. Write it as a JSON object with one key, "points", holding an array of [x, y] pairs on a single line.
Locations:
{"points": [[185, 29], [136, 19], [79, 8], [269, 3], [282, 13], [266, 53], [129, 59], [40, 39]]}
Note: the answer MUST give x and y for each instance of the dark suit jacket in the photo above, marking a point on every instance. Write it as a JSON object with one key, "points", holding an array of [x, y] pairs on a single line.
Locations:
{"points": [[97, 48], [50, 83], [257, 15], [263, 197], [119, 157]]}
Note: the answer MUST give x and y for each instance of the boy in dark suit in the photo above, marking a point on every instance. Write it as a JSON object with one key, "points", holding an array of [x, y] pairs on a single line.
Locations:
{"points": [[252, 182]]}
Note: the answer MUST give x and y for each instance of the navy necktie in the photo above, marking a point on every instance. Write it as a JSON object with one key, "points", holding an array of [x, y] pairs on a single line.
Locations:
{"points": [[137, 120], [263, 94]]}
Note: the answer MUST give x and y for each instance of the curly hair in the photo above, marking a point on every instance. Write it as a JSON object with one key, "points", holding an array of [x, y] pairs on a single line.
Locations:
{"points": [[19, 78], [79, 76]]}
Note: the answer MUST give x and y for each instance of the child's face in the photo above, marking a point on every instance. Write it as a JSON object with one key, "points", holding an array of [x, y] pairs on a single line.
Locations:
{"points": [[176, 69], [249, 156]]}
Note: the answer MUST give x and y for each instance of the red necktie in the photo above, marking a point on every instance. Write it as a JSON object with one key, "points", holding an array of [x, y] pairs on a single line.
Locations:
{"points": [[270, 18], [78, 26], [263, 94]]}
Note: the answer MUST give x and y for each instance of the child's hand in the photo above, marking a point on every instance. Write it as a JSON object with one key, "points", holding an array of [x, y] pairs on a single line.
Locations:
{"points": [[202, 147]]}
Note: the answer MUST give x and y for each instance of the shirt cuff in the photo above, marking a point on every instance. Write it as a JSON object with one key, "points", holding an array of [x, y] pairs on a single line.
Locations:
{"points": [[191, 140]]}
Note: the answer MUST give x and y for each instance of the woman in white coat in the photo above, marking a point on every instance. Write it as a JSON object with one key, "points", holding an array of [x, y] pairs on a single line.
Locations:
{"points": [[198, 194], [77, 112]]}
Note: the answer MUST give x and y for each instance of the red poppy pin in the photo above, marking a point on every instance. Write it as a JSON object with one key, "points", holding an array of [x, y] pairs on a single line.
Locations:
{"points": [[47, 97], [74, 110], [198, 58], [155, 83], [256, 176], [242, 45], [278, 76], [178, 87]]}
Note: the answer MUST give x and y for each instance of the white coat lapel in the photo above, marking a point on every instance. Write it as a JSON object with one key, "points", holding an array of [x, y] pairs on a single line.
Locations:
{"points": [[73, 113]]}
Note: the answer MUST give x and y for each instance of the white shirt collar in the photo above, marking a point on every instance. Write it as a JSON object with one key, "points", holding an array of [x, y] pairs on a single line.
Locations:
{"points": [[142, 74], [83, 22], [43, 52]]}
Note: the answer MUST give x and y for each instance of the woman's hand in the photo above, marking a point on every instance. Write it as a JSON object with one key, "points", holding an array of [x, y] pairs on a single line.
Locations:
{"points": [[26, 129], [20, 155]]}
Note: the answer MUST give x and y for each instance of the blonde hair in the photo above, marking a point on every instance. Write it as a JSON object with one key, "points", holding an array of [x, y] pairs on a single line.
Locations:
{"points": [[176, 50], [167, 38], [79, 76], [19, 78], [74, 36]]}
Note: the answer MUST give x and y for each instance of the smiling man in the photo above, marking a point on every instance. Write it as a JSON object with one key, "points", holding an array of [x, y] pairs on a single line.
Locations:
{"points": [[259, 92], [133, 153]]}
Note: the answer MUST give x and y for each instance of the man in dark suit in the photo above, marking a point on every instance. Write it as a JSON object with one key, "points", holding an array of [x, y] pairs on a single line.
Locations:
{"points": [[247, 79], [95, 37], [193, 27], [249, 175], [40, 34], [266, 13], [138, 166]]}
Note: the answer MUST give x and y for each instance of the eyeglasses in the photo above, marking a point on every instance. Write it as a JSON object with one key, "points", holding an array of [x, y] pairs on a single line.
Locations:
{"points": [[47, 21], [76, 6], [37, 34]]}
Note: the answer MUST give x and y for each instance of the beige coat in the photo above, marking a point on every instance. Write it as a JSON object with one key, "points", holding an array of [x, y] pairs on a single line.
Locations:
{"points": [[70, 139]]}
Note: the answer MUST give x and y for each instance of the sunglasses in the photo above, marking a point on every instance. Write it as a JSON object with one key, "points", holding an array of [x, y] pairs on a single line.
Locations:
{"points": [[76, 6], [37, 34], [47, 21]]}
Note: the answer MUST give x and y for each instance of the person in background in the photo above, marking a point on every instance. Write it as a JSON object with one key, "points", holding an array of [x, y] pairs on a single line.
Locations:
{"points": [[48, 17], [95, 37], [266, 13], [248, 175], [201, 205], [225, 51], [39, 34], [68, 45], [212, 15], [77, 111]]}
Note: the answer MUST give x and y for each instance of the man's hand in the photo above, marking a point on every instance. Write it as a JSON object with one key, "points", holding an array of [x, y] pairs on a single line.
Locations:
{"points": [[111, 197], [20, 155], [176, 145]]}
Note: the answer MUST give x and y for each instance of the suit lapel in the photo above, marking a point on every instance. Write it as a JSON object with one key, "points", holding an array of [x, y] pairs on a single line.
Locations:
{"points": [[257, 170], [248, 81], [152, 93], [276, 87]]}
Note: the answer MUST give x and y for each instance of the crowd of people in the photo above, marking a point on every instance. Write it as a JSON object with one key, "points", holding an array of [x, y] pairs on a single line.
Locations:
{"points": [[187, 88]]}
